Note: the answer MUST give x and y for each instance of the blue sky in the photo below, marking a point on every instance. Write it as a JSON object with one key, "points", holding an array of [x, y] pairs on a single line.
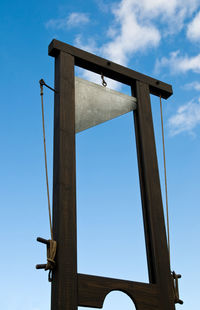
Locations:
{"points": [[156, 37]]}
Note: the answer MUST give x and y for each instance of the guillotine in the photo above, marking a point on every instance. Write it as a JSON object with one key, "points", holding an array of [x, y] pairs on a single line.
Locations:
{"points": [[69, 288]]}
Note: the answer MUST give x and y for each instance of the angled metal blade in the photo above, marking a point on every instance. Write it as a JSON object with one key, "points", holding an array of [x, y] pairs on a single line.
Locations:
{"points": [[95, 104]]}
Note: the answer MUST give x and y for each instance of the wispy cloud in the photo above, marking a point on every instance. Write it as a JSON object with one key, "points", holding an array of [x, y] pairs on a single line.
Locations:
{"points": [[76, 19], [193, 29], [88, 45], [179, 64], [186, 118], [128, 35], [103, 5], [139, 25], [135, 26], [73, 20], [193, 85]]}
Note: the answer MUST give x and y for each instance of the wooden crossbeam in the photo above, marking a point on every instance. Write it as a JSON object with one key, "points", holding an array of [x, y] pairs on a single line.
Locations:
{"points": [[110, 69], [92, 291]]}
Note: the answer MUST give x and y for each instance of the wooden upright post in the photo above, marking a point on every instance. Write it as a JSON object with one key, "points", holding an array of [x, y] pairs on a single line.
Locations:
{"points": [[64, 285], [153, 217]]}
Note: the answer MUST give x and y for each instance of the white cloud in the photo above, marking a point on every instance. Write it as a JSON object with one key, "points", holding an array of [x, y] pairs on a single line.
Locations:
{"points": [[194, 85], [87, 45], [77, 19], [179, 64], [140, 25], [193, 29], [186, 118], [131, 36], [135, 26], [169, 14], [73, 20]]}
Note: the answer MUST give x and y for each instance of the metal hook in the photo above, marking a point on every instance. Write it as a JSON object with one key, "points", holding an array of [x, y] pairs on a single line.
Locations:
{"points": [[103, 81]]}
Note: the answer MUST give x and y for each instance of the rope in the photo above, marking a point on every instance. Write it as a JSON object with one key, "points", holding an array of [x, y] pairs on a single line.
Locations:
{"points": [[51, 253], [175, 276], [165, 173], [45, 157], [51, 244]]}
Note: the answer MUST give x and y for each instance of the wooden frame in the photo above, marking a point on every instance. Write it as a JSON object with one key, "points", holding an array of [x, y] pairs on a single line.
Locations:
{"points": [[70, 289]]}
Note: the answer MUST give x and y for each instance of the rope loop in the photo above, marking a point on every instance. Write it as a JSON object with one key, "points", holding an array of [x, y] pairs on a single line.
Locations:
{"points": [[51, 253]]}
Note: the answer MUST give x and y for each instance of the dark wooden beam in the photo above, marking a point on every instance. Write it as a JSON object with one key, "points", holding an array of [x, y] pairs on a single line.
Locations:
{"points": [[110, 69], [64, 284], [155, 234], [92, 291]]}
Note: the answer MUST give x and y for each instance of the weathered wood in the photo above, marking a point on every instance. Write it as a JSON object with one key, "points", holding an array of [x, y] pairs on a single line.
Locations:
{"points": [[40, 266], [64, 285], [70, 289], [92, 291], [110, 69], [155, 234], [44, 241]]}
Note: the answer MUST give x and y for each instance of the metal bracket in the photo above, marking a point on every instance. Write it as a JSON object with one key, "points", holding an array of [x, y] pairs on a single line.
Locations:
{"points": [[42, 83], [175, 278], [51, 253]]}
